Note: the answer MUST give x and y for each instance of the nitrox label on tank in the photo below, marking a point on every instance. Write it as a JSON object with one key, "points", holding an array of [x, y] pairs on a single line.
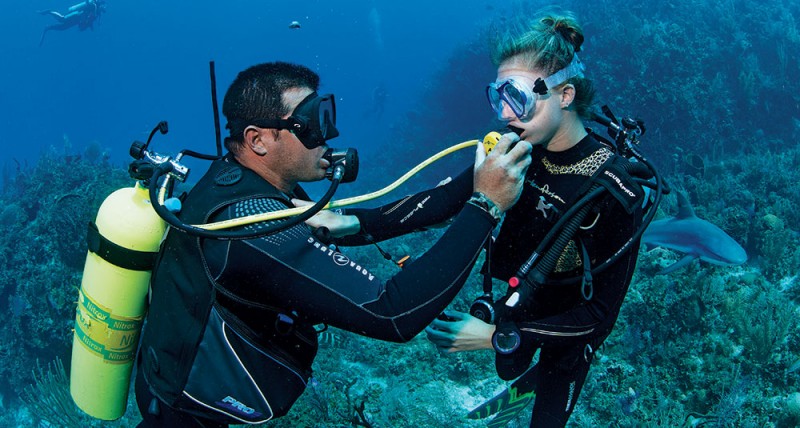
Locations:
{"points": [[111, 337]]}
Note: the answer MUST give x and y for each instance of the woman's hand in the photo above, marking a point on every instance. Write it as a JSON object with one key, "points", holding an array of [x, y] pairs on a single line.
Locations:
{"points": [[460, 332], [339, 225]]}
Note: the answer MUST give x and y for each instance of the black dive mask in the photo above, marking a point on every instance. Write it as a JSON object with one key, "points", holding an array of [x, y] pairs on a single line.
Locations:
{"points": [[313, 121]]}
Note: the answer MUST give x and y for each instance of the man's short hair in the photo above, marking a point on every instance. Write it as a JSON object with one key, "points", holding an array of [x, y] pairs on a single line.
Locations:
{"points": [[257, 93]]}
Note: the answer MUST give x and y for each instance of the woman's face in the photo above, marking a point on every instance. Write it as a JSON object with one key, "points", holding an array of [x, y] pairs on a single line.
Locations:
{"points": [[547, 116]]}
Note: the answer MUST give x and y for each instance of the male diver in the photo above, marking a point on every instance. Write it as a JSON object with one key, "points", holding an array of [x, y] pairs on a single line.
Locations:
{"points": [[229, 336]]}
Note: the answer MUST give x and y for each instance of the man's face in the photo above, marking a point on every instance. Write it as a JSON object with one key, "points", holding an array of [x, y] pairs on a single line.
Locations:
{"points": [[298, 163]]}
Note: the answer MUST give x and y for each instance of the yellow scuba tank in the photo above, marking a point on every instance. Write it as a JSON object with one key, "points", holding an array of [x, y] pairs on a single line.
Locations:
{"points": [[123, 243]]}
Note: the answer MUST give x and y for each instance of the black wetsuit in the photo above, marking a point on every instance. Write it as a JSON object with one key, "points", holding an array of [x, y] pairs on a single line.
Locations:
{"points": [[265, 295], [559, 320]]}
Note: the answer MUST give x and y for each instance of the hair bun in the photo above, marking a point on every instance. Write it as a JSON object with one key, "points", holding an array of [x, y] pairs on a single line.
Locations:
{"points": [[569, 30]]}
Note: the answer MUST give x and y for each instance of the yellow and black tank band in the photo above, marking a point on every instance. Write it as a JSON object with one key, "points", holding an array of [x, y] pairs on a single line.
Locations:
{"points": [[110, 336], [116, 254]]}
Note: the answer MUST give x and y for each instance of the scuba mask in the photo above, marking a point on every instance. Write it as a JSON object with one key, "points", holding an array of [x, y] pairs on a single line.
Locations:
{"points": [[313, 120], [522, 98]]}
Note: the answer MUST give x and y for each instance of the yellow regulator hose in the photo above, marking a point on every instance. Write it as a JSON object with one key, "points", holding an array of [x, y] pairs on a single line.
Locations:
{"points": [[242, 221]]}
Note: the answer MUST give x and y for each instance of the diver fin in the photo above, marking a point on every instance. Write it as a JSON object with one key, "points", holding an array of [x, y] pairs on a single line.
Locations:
{"points": [[679, 264], [508, 403], [490, 407]]}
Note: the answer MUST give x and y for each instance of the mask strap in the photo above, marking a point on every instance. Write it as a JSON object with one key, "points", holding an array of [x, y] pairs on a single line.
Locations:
{"points": [[294, 123], [574, 69], [290, 124]]}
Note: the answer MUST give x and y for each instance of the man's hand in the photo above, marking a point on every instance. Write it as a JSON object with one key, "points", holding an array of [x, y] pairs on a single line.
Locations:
{"points": [[501, 174], [338, 225], [460, 332]]}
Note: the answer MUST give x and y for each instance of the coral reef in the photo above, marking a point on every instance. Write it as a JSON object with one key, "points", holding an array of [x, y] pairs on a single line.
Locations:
{"points": [[45, 210], [704, 346]]}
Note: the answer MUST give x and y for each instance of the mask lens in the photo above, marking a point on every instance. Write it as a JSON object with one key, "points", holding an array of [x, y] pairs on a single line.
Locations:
{"points": [[327, 115], [519, 98], [515, 98], [494, 99]]}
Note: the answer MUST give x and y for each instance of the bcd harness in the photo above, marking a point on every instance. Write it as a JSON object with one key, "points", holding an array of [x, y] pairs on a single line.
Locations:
{"points": [[174, 341], [625, 181]]}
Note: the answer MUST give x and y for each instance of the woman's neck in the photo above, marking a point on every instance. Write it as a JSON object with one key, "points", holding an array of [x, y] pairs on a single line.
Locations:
{"points": [[567, 136]]}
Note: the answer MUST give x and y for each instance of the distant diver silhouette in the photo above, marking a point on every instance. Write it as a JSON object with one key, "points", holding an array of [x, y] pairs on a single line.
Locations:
{"points": [[81, 15], [378, 102]]}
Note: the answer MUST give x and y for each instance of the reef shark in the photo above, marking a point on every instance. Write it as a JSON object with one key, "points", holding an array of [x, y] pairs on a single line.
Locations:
{"points": [[695, 237]]}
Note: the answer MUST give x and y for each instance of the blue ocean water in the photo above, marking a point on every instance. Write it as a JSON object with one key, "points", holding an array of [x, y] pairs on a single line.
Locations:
{"points": [[717, 83], [148, 61]]}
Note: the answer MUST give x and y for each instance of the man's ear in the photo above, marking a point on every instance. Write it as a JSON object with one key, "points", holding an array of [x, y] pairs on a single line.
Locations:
{"points": [[254, 140], [567, 95]]}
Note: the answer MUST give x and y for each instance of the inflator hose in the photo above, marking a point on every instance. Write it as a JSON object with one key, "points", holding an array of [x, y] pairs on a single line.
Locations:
{"points": [[531, 280], [661, 189], [568, 225]]}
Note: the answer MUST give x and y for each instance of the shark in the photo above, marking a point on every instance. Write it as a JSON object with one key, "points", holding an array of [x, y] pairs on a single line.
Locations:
{"points": [[694, 237]]}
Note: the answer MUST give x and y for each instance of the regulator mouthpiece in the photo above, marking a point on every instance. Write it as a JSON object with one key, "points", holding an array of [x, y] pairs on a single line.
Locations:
{"points": [[490, 140], [347, 158]]}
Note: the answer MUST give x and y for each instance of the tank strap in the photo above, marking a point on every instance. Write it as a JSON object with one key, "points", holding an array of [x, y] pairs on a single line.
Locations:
{"points": [[116, 254]]}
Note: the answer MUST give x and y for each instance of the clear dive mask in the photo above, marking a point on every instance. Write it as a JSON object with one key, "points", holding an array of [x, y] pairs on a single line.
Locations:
{"points": [[520, 97]]}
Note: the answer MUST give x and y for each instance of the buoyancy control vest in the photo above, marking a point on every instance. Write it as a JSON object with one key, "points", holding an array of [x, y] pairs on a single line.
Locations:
{"points": [[185, 314]]}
